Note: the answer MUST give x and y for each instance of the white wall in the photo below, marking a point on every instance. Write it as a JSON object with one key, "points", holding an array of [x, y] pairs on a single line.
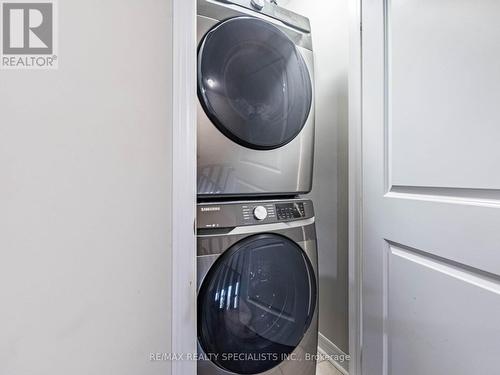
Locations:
{"points": [[85, 195], [329, 21]]}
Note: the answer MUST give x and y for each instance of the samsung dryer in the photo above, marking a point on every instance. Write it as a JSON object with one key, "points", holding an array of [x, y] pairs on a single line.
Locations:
{"points": [[255, 100], [257, 288]]}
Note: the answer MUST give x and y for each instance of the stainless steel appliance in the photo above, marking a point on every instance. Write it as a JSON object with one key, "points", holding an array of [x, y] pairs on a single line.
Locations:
{"points": [[256, 102], [257, 288]]}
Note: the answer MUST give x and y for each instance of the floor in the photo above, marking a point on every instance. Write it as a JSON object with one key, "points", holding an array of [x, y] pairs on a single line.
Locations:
{"points": [[326, 368]]}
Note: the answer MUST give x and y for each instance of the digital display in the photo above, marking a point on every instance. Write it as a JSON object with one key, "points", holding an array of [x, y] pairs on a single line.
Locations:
{"points": [[290, 210]]}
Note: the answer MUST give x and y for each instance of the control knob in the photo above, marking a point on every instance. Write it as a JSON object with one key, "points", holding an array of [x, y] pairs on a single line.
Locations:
{"points": [[260, 212], [258, 4]]}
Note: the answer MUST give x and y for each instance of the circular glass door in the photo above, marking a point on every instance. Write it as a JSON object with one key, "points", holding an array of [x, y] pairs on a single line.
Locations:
{"points": [[253, 83], [256, 303]]}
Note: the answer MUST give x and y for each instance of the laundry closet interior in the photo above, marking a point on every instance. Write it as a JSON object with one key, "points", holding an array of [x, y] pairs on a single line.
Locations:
{"points": [[272, 182]]}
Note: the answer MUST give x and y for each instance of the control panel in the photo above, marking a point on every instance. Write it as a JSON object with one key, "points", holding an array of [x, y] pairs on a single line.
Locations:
{"points": [[234, 214], [284, 15], [294, 210]]}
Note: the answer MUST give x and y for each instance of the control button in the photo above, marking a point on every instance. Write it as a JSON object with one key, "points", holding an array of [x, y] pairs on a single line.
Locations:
{"points": [[260, 212], [258, 4]]}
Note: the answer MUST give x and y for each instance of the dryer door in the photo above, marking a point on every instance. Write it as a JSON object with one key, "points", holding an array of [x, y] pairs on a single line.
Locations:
{"points": [[256, 303], [253, 83]]}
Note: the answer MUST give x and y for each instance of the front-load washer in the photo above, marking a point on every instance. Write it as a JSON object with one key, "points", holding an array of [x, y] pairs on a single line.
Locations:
{"points": [[257, 288], [255, 99]]}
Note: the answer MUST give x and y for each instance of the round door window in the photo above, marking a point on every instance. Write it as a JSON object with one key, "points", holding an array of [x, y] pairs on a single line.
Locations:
{"points": [[256, 303], [253, 83]]}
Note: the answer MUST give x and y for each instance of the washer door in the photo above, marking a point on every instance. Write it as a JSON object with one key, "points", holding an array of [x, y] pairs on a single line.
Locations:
{"points": [[253, 83], [256, 303]]}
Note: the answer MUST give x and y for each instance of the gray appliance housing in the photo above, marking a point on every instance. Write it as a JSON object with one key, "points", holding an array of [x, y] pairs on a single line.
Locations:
{"points": [[227, 168], [222, 225]]}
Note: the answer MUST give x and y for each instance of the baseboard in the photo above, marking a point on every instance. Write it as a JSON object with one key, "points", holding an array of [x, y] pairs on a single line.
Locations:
{"points": [[333, 354]]}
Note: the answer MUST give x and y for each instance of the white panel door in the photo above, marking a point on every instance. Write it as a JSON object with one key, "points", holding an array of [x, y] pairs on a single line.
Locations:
{"points": [[431, 187]]}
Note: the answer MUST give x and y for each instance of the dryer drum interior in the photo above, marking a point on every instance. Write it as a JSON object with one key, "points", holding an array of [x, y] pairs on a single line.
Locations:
{"points": [[253, 83], [257, 301]]}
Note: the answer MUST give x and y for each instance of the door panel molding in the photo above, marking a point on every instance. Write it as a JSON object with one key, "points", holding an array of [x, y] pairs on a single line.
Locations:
{"points": [[435, 135], [459, 271], [430, 322], [474, 197], [387, 99]]}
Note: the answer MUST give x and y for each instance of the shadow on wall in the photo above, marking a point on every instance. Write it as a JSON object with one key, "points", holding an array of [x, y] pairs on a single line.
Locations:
{"points": [[329, 22], [330, 193]]}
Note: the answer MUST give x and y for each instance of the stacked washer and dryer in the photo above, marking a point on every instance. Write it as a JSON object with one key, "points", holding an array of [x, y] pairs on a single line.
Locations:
{"points": [[257, 253]]}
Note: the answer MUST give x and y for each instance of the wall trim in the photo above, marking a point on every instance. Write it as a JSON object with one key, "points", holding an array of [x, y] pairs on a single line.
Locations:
{"points": [[184, 184], [330, 350], [355, 186]]}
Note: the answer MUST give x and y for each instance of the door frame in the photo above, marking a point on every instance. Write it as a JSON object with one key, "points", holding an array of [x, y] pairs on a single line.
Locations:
{"points": [[184, 185], [355, 186], [183, 261]]}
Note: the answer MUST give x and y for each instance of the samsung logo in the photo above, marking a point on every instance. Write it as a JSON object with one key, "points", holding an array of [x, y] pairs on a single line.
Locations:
{"points": [[205, 209]]}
